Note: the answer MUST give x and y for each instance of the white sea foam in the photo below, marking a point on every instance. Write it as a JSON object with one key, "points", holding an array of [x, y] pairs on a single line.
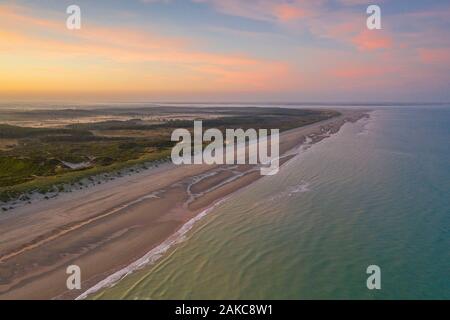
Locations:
{"points": [[290, 191], [365, 123], [303, 187], [151, 256]]}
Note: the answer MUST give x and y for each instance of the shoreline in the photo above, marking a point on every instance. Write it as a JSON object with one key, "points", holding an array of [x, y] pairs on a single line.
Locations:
{"points": [[138, 217], [154, 254]]}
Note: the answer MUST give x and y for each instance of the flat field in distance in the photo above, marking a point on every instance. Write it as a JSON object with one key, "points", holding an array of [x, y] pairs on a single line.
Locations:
{"points": [[42, 150]]}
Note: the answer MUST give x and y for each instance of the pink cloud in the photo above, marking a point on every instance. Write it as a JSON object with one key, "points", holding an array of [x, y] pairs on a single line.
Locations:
{"points": [[435, 56], [274, 11], [286, 12], [123, 47], [364, 71], [177, 64], [372, 40]]}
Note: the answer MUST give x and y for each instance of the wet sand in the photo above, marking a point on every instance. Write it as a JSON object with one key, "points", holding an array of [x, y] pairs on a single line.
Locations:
{"points": [[106, 228]]}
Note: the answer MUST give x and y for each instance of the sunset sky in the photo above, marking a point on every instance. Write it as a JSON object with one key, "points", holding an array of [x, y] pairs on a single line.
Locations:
{"points": [[226, 50]]}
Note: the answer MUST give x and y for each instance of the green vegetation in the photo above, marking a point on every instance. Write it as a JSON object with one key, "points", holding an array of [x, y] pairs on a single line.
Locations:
{"points": [[47, 157]]}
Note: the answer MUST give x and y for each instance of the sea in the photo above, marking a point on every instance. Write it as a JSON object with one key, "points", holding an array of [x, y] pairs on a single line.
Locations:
{"points": [[377, 193]]}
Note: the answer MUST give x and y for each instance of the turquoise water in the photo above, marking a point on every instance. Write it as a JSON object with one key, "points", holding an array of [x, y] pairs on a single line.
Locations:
{"points": [[378, 192]]}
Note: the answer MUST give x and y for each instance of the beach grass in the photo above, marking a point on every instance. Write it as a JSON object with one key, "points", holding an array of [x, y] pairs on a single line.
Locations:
{"points": [[44, 159]]}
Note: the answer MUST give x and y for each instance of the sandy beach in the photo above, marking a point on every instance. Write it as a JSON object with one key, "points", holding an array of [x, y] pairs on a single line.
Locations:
{"points": [[107, 227]]}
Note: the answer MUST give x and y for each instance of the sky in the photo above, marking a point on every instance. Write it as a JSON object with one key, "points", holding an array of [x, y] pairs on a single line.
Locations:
{"points": [[226, 51]]}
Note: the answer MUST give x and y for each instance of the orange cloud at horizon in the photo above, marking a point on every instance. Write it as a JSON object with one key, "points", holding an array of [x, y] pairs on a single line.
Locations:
{"points": [[40, 57], [118, 59]]}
